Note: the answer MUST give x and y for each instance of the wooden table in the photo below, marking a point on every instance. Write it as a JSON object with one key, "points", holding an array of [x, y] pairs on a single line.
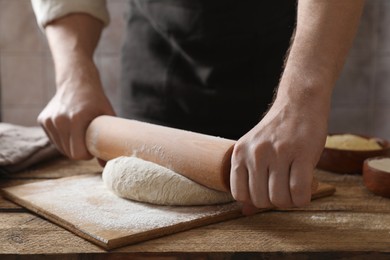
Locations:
{"points": [[352, 223]]}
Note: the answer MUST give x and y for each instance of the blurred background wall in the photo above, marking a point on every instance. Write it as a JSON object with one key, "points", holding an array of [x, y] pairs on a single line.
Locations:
{"points": [[361, 102]]}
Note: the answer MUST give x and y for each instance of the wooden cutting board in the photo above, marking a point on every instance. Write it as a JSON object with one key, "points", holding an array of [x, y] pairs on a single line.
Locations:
{"points": [[84, 206]]}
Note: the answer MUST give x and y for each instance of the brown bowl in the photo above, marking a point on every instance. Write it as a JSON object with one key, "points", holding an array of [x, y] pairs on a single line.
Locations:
{"points": [[350, 161], [376, 180]]}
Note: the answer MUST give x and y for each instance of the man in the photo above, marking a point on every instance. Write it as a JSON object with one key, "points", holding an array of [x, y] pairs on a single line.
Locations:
{"points": [[211, 67]]}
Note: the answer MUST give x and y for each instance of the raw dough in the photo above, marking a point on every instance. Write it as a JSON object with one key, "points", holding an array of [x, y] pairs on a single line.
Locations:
{"points": [[136, 179]]}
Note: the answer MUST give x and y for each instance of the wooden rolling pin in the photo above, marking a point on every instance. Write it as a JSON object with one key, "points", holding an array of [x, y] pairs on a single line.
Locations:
{"points": [[202, 158]]}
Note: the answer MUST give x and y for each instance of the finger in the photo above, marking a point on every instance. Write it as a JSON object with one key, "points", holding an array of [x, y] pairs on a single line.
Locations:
{"points": [[258, 184], [62, 125], [239, 183], [279, 184], [51, 131], [249, 209], [301, 177], [78, 148]]}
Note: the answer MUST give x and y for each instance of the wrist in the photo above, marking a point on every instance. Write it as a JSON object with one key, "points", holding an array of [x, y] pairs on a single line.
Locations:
{"points": [[76, 70], [304, 95]]}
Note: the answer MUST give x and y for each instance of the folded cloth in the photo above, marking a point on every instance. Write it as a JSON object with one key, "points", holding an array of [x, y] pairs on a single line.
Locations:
{"points": [[21, 147]]}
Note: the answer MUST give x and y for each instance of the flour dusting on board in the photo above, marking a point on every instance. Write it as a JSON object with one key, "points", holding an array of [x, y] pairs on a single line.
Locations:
{"points": [[86, 203]]}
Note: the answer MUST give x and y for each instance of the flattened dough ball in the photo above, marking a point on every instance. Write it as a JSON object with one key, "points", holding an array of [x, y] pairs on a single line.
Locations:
{"points": [[135, 179]]}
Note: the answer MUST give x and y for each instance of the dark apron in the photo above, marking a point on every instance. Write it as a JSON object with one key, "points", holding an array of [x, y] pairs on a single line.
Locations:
{"points": [[208, 66]]}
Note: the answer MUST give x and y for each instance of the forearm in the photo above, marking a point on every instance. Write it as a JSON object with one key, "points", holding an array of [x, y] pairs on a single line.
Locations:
{"points": [[324, 33], [272, 165], [80, 96], [73, 40]]}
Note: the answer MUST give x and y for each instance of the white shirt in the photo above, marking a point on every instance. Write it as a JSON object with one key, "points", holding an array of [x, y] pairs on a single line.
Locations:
{"points": [[49, 10]]}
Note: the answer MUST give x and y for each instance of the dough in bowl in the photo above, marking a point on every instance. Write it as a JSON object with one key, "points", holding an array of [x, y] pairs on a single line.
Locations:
{"points": [[136, 179]]}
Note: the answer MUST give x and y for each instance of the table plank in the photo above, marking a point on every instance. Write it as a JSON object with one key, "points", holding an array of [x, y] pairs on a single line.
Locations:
{"points": [[351, 223], [292, 232], [57, 168], [26, 233], [283, 232], [350, 199], [6, 205], [350, 195]]}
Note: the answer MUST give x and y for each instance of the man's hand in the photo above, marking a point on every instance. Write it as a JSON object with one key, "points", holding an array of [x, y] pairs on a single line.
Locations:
{"points": [[272, 165], [79, 97], [66, 117]]}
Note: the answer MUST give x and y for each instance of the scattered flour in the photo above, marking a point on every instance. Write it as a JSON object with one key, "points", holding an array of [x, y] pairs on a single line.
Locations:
{"points": [[90, 206]]}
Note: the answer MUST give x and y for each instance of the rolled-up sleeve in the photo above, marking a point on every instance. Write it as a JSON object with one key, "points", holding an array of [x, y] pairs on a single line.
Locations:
{"points": [[49, 10]]}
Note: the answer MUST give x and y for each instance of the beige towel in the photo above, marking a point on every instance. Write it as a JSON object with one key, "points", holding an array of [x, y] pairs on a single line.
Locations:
{"points": [[21, 147]]}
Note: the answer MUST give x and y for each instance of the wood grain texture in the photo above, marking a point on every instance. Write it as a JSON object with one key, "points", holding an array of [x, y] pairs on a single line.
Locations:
{"points": [[353, 224], [270, 232], [27, 233], [84, 206], [58, 168], [7, 205], [283, 232]]}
